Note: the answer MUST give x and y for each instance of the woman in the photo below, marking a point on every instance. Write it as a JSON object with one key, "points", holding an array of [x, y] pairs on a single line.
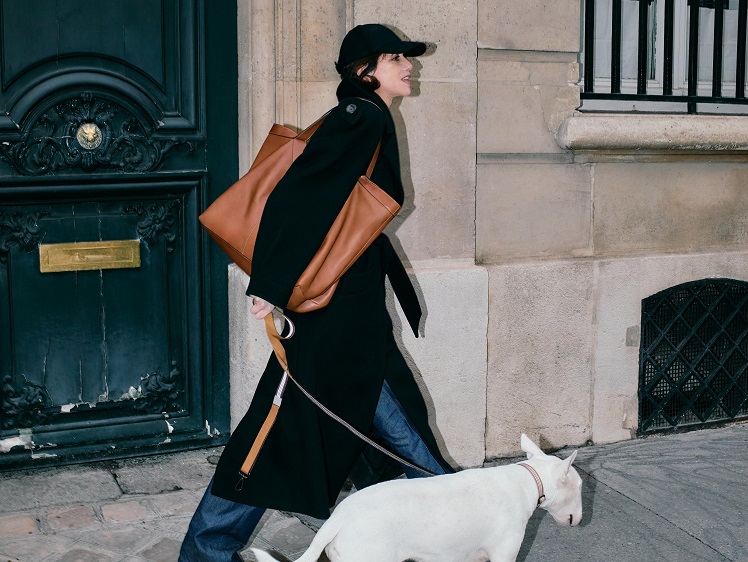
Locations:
{"points": [[345, 353]]}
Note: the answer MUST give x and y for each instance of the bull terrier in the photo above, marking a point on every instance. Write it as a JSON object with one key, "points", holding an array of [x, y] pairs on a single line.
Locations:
{"points": [[476, 515]]}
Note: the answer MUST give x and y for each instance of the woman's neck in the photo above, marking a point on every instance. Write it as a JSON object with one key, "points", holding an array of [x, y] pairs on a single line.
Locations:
{"points": [[387, 100]]}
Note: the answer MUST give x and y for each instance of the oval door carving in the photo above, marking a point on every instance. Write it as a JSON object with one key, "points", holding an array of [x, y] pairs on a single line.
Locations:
{"points": [[88, 133]]}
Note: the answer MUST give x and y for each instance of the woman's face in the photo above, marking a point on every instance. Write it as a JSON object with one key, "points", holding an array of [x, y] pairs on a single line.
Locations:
{"points": [[393, 73]]}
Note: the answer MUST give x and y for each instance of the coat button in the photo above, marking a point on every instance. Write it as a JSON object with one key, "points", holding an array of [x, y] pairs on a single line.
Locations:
{"points": [[351, 108]]}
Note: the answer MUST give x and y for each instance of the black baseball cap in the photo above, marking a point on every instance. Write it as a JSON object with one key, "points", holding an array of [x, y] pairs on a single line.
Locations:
{"points": [[374, 38]]}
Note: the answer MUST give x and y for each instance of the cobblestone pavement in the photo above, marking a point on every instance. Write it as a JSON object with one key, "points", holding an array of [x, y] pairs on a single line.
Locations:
{"points": [[670, 498], [134, 510]]}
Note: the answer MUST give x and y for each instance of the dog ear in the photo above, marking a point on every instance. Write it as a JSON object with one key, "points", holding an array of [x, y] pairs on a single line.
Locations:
{"points": [[529, 447], [566, 465]]}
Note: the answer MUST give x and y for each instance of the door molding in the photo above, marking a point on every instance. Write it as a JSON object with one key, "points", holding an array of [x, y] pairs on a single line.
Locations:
{"points": [[150, 138]]}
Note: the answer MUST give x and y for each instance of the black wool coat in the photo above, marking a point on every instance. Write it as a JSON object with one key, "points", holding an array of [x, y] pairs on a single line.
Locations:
{"points": [[341, 353]]}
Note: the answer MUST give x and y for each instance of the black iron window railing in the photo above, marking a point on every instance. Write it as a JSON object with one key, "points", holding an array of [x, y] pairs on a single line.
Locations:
{"points": [[691, 53], [693, 358]]}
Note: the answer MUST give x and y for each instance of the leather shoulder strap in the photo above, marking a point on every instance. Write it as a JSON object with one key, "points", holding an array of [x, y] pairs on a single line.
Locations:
{"points": [[370, 169], [306, 134]]}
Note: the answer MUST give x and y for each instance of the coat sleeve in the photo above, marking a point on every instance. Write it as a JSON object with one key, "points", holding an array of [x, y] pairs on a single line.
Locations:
{"points": [[302, 207]]}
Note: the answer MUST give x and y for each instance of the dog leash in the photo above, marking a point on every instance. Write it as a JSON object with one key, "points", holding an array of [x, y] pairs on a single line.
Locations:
{"points": [[276, 340]]}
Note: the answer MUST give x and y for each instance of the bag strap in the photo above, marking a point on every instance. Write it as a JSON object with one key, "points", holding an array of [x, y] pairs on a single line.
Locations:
{"points": [[307, 133], [280, 354], [370, 169]]}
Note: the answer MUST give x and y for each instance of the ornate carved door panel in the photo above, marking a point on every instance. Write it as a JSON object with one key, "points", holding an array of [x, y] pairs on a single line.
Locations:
{"points": [[117, 126]]}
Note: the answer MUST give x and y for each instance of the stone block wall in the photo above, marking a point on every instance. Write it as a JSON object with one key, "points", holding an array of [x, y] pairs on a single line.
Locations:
{"points": [[534, 214], [580, 217], [533, 230]]}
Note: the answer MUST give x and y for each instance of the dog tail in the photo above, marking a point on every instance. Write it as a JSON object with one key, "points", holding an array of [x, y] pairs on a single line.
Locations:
{"points": [[324, 536]]}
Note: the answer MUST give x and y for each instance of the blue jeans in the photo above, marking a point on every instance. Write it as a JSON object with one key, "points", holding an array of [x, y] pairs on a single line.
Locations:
{"points": [[221, 528]]}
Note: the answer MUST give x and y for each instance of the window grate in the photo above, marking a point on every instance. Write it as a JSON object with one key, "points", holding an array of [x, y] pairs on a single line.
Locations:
{"points": [[693, 358], [673, 27]]}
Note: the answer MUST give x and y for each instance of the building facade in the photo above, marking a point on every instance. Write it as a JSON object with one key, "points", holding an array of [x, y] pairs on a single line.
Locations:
{"points": [[534, 228]]}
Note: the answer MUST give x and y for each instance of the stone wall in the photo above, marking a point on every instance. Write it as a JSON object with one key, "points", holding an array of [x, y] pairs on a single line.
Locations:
{"points": [[533, 231], [535, 212]]}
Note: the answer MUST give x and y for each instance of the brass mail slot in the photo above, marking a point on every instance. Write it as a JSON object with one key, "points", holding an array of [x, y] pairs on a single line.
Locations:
{"points": [[87, 256]]}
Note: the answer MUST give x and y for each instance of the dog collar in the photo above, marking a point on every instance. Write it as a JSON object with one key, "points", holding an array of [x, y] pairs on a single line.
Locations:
{"points": [[538, 481]]}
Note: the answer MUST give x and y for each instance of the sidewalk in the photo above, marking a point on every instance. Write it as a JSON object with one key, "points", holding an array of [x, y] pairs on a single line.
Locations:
{"points": [[670, 498]]}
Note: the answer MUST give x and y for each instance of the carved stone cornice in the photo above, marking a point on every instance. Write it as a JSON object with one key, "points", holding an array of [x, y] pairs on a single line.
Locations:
{"points": [[87, 133]]}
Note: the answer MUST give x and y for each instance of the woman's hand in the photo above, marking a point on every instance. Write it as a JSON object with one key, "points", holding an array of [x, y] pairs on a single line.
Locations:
{"points": [[260, 307]]}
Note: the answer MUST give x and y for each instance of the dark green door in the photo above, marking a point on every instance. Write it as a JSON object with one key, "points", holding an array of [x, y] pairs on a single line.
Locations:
{"points": [[118, 125]]}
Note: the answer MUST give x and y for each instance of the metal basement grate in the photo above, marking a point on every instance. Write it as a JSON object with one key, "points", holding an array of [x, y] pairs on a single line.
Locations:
{"points": [[693, 359]]}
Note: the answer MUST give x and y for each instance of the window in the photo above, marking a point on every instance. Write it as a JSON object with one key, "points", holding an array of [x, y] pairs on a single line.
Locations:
{"points": [[665, 55]]}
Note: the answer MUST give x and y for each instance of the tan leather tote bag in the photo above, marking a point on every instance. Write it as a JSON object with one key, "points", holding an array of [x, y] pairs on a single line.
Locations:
{"points": [[233, 219]]}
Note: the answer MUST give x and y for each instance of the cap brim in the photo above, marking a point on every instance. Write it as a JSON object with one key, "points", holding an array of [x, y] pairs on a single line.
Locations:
{"points": [[408, 48]]}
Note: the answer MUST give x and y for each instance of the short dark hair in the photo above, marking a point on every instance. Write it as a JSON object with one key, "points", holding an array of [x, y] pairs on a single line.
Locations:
{"points": [[363, 78]]}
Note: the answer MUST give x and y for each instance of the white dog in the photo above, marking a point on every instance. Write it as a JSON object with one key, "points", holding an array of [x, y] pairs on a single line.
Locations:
{"points": [[472, 516]]}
